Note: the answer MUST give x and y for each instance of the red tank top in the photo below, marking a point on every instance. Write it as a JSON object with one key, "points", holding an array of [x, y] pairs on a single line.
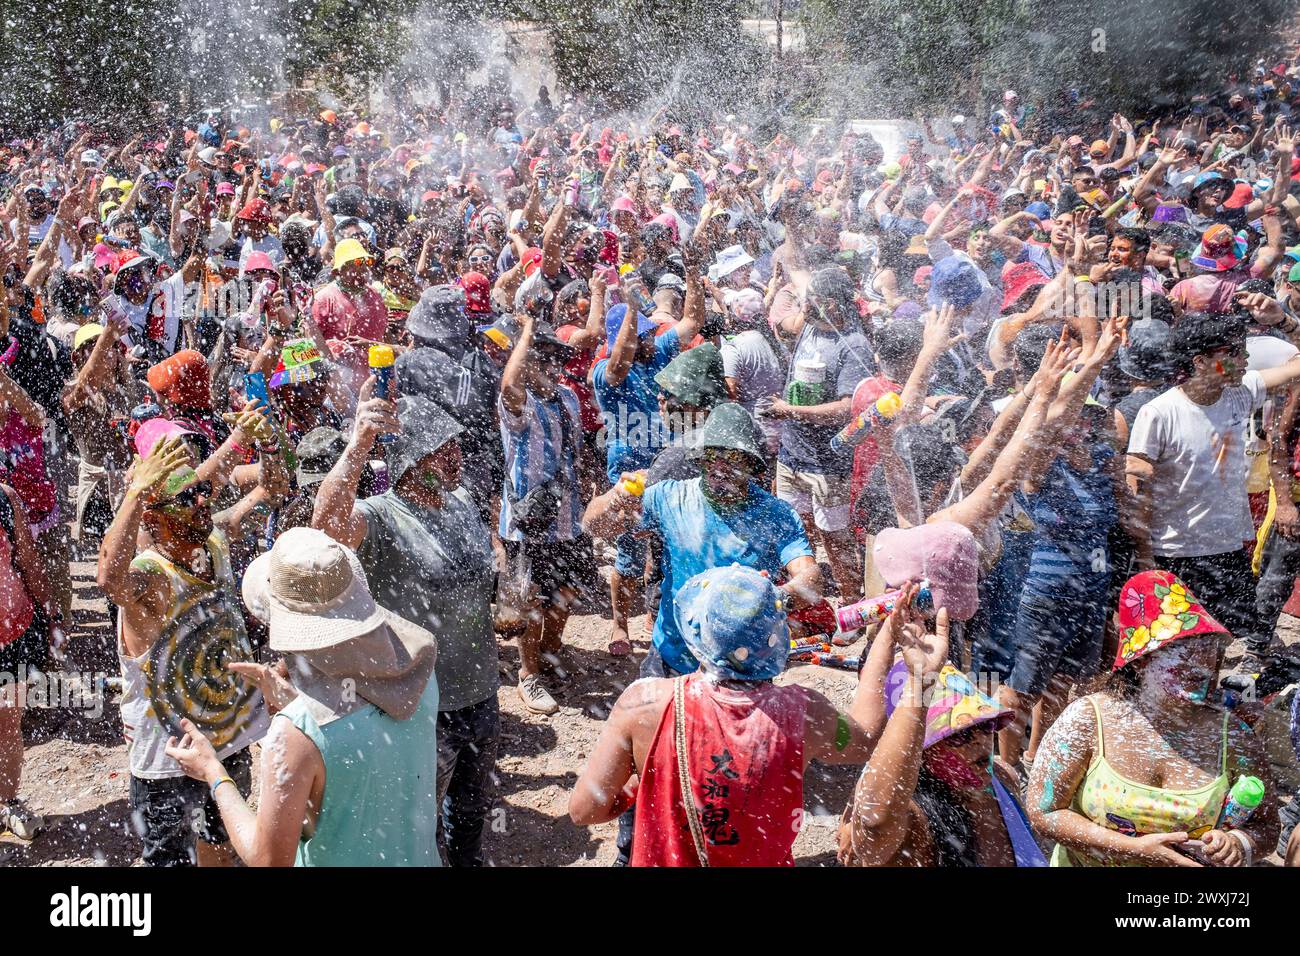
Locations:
{"points": [[746, 764]]}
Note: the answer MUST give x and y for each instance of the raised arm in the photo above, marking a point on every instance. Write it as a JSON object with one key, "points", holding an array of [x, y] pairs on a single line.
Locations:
{"points": [[335, 511], [882, 799]]}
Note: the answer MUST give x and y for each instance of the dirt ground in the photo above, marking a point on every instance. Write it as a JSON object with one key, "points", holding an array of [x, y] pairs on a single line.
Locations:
{"points": [[76, 767], [76, 770]]}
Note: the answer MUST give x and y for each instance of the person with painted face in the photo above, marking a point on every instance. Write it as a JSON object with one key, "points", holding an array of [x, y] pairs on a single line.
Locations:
{"points": [[721, 517], [133, 295], [724, 516], [1137, 774], [1187, 467], [428, 558], [178, 606]]}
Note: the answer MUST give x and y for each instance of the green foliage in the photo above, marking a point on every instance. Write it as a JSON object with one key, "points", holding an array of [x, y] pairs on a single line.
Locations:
{"points": [[626, 51], [883, 57]]}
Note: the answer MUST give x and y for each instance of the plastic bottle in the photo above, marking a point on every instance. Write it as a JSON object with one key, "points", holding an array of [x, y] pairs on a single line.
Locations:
{"points": [[807, 387], [883, 409], [381, 367], [1246, 794], [854, 616]]}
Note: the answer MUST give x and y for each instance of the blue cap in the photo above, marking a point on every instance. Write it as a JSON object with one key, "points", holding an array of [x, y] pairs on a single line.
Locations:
{"points": [[954, 280], [733, 620], [1211, 177], [1039, 209], [614, 321]]}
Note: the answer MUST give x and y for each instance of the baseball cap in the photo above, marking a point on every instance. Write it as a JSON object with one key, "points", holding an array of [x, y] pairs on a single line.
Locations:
{"points": [[614, 322]]}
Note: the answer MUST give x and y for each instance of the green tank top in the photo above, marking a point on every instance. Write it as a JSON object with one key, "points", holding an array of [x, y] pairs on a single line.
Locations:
{"points": [[1117, 803], [381, 789]]}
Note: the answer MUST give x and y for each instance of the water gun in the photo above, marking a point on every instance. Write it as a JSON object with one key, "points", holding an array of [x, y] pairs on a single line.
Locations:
{"points": [[381, 361], [807, 645], [634, 484], [832, 660], [884, 409]]}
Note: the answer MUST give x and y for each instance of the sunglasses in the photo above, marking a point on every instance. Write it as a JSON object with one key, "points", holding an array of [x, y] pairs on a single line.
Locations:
{"points": [[477, 259], [188, 498]]}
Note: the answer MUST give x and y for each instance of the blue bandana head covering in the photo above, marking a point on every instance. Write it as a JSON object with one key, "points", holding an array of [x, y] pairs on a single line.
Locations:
{"points": [[733, 620]]}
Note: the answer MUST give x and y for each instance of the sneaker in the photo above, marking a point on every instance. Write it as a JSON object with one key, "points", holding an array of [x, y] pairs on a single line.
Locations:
{"points": [[535, 695], [20, 820]]}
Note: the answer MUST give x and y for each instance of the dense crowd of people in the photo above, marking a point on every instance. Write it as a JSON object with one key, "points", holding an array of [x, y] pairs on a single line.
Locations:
{"points": [[343, 400]]}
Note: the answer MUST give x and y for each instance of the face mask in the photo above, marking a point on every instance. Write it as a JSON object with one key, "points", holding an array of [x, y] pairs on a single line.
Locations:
{"points": [[951, 768]]}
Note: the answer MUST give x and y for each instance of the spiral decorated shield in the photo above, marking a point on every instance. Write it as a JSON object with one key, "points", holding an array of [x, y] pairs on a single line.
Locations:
{"points": [[187, 677]]}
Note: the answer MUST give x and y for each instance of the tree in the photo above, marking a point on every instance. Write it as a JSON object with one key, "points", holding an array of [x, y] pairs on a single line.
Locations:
{"points": [[896, 57]]}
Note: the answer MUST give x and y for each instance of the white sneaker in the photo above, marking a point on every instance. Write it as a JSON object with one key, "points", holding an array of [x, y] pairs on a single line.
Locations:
{"points": [[535, 695], [20, 820]]}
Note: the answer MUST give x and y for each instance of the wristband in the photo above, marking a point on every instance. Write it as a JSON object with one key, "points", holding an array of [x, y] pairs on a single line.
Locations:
{"points": [[218, 782], [1247, 845]]}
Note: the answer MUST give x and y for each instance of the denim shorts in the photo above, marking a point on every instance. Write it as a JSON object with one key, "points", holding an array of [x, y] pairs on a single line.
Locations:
{"points": [[630, 562], [172, 813], [1062, 634]]}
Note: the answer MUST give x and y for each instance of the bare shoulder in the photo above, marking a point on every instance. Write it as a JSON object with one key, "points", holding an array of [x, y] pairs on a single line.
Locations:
{"points": [[643, 695], [1075, 731]]}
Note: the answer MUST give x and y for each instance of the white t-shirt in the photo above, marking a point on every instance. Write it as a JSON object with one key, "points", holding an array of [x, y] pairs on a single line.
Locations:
{"points": [[748, 358], [1268, 351], [1198, 499]]}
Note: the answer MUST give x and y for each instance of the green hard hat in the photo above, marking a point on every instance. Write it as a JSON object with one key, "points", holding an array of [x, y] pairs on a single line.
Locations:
{"points": [[695, 377], [732, 428]]}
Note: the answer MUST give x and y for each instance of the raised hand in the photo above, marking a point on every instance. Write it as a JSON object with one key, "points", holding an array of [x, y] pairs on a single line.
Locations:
{"points": [[166, 456]]}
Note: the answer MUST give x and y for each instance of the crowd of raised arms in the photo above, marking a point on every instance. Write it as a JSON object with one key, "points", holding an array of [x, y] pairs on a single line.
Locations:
{"points": [[340, 401]]}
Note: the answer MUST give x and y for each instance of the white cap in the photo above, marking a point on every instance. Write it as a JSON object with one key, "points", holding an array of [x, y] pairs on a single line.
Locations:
{"points": [[959, 120]]}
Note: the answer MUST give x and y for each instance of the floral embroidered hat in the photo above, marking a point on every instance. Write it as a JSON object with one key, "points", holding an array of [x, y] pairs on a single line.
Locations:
{"points": [[1155, 607]]}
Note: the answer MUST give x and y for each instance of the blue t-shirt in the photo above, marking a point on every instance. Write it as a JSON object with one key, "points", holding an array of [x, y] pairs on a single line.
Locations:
{"points": [[1073, 513], [766, 536], [634, 431]]}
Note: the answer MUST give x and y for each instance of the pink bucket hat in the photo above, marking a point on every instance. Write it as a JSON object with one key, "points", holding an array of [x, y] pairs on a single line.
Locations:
{"points": [[943, 553], [154, 431]]}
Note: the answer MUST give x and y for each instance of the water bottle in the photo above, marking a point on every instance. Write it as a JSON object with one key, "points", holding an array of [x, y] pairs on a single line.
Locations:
{"points": [[381, 367]]}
